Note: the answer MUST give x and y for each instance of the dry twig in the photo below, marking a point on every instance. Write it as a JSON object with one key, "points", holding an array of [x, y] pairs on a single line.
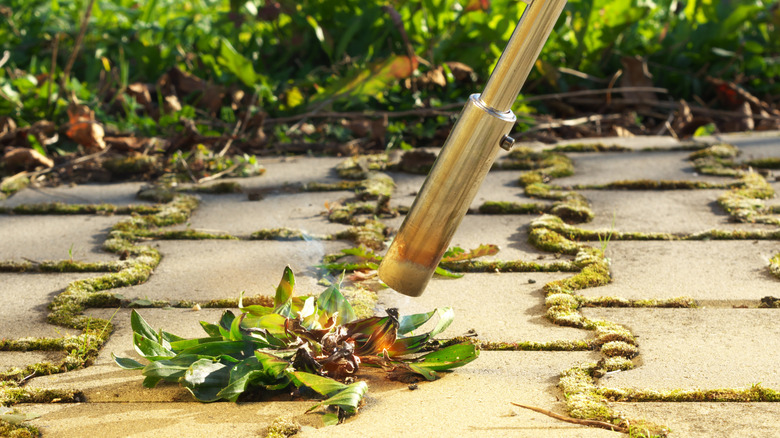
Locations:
{"points": [[589, 423]]}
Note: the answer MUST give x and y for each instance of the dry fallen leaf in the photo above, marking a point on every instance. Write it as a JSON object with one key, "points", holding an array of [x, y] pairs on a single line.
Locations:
{"points": [[25, 159], [83, 129]]}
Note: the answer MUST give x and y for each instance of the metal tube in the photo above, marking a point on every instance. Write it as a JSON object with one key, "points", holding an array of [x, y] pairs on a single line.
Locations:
{"points": [[521, 52], [466, 158]]}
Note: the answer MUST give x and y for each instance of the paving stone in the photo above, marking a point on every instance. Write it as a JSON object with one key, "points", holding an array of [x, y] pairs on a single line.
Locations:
{"points": [[698, 348], [218, 269], [292, 170], [669, 211], [606, 167], [54, 237], [707, 420], [499, 185], [471, 401], [172, 419], [634, 143], [117, 194], [20, 359], [754, 144], [705, 270], [509, 232], [500, 307], [237, 215], [23, 304]]}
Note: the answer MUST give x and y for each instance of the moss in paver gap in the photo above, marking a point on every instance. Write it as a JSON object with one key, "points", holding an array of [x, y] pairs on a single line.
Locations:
{"points": [[745, 204], [765, 163], [570, 206], [774, 265], [649, 184], [508, 266], [62, 266], [755, 393], [60, 208], [357, 168], [503, 207], [717, 160], [563, 345], [222, 187], [133, 165], [11, 185], [282, 427]]}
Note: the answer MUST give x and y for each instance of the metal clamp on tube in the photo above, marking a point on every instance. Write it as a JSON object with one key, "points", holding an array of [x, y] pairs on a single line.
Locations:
{"points": [[466, 158]]}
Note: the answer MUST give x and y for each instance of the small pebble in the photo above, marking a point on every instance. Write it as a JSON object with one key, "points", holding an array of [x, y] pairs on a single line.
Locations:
{"points": [[531, 281]]}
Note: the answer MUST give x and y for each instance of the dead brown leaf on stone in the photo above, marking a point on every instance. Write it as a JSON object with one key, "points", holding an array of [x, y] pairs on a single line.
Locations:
{"points": [[17, 158], [84, 129]]}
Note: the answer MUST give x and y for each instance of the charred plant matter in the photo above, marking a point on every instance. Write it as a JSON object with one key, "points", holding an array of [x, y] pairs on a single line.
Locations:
{"points": [[314, 343]]}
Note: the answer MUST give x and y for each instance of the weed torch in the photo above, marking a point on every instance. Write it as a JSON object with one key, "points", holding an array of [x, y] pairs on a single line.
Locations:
{"points": [[466, 157]]}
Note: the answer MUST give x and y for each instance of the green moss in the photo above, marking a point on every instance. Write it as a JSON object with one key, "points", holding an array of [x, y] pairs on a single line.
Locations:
{"points": [[619, 348], [548, 240], [502, 207], [678, 302], [363, 300], [589, 147], [582, 398], [592, 275], [345, 214], [765, 163], [507, 266], [183, 235], [562, 345], [228, 303], [543, 165], [358, 167], [11, 430], [330, 187], [128, 166], [376, 186], [280, 234], [283, 427], [648, 184], [769, 302], [745, 204], [222, 187], [371, 233], [774, 265], [573, 209], [13, 184], [11, 394], [14, 266], [755, 393], [720, 150]]}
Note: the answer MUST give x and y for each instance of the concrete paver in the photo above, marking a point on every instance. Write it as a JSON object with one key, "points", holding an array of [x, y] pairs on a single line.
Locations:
{"points": [[698, 348], [55, 237], [671, 211], [236, 215], [117, 194], [499, 307], [704, 270], [707, 420], [607, 167], [219, 269], [24, 299]]}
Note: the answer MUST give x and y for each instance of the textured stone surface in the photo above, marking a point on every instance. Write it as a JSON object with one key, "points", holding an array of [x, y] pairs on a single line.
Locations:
{"points": [[55, 237], [704, 270], [23, 304]]}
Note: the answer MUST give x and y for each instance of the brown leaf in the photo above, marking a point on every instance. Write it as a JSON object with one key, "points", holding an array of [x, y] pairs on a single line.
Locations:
{"points": [[636, 74], [140, 92], [461, 71], [171, 104], [683, 117], [25, 159], [83, 129], [125, 143]]}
